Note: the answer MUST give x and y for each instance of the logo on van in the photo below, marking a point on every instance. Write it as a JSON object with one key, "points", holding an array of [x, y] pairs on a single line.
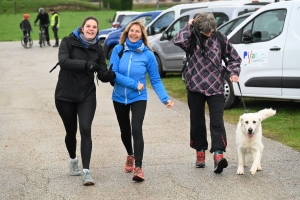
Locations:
{"points": [[255, 58]]}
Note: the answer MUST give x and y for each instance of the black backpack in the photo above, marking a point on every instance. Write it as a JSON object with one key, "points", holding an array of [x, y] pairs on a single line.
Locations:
{"points": [[120, 54]]}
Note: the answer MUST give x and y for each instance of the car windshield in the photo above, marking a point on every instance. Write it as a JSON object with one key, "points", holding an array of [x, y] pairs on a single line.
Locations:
{"points": [[126, 19]]}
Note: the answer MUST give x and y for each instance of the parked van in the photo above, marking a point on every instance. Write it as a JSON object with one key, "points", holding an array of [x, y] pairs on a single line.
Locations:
{"points": [[169, 57], [268, 42]]}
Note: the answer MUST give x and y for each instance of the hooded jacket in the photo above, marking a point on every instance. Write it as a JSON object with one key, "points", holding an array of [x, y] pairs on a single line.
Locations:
{"points": [[75, 84], [131, 69]]}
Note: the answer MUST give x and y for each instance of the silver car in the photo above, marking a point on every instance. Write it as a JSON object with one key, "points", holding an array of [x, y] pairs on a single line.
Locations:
{"points": [[169, 57]]}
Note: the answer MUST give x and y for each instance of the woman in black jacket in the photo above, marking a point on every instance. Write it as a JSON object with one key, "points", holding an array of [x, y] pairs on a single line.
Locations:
{"points": [[80, 57]]}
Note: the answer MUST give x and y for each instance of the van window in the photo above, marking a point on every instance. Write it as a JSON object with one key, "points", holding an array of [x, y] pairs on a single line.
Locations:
{"points": [[221, 18], [161, 24], [177, 25], [266, 26]]}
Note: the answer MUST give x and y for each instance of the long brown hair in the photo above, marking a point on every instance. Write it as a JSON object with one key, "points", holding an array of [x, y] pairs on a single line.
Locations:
{"points": [[143, 29]]}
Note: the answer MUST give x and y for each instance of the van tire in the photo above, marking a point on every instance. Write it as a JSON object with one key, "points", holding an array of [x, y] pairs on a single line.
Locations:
{"points": [[160, 70], [230, 100]]}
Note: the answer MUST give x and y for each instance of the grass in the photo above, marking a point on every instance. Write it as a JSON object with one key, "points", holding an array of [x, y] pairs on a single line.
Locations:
{"points": [[283, 127]]}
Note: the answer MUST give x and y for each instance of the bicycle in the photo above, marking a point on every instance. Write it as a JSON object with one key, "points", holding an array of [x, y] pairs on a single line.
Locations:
{"points": [[42, 36], [27, 41]]}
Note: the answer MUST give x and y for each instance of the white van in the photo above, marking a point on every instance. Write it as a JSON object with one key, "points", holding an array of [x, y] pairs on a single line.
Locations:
{"points": [[169, 15], [169, 57], [268, 42]]}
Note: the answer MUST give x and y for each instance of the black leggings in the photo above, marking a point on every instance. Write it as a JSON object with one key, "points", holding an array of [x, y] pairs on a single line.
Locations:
{"points": [[138, 110], [68, 112]]}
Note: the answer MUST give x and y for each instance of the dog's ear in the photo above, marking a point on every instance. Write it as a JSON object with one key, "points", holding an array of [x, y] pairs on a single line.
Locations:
{"points": [[241, 119]]}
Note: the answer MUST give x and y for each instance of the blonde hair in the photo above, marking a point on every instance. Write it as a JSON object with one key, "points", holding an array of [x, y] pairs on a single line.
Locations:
{"points": [[143, 29], [206, 22]]}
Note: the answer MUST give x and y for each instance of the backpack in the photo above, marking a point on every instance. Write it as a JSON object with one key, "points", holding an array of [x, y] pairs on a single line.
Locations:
{"points": [[120, 54], [190, 52]]}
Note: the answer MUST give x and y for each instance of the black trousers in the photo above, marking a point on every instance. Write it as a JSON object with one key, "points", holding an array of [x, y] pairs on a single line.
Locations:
{"points": [[55, 32], [198, 132], [85, 111], [134, 129], [26, 39]]}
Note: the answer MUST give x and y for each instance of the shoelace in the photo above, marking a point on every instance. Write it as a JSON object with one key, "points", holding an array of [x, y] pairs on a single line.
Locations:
{"points": [[129, 161]]}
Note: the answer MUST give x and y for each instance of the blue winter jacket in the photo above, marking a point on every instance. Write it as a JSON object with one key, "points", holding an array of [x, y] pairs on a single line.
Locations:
{"points": [[132, 69]]}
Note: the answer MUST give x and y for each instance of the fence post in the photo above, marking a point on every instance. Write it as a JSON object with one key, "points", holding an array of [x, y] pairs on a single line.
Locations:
{"points": [[15, 4]]}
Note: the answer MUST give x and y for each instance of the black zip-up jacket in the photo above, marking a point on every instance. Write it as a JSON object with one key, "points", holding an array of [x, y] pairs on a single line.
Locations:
{"points": [[44, 18], [75, 84]]}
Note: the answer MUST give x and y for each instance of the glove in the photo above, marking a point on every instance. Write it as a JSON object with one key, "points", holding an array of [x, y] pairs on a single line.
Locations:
{"points": [[91, 67], [107, 76]]}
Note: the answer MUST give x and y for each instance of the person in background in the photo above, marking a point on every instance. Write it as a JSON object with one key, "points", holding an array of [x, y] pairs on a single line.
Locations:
{"points": [[25, 26], [55, 23], [205, 83], [130, 91], [43, 17], [80, 58]]}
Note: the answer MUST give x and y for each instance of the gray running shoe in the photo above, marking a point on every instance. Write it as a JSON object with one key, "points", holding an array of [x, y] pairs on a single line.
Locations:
{"points": [[87, 179], [74, 170]]}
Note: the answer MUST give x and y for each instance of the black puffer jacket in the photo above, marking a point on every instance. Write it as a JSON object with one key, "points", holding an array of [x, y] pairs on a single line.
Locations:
{"points": [[75, 84]]}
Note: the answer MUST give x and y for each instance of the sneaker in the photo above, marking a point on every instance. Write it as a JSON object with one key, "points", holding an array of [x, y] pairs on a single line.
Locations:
{"points": [[220, 163], [129, 164], [200, 161], [74, 170], [87, 178], [138, 174], [48, 43]]}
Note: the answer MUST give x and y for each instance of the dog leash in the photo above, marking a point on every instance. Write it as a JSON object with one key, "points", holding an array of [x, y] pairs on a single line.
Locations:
{"points": [[245, 109]]}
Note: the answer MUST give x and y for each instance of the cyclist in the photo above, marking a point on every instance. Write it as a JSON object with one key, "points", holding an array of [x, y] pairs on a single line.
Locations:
{"points": [[44, 22], [55, 22], [25, 26]]}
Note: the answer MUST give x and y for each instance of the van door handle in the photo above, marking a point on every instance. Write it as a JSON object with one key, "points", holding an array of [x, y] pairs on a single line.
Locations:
{"points": [[275, 49]]}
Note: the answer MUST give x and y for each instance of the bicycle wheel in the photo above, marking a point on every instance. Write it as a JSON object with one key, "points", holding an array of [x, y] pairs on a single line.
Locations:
{"points": [[26, 42], [43, 40], [40, 39]]}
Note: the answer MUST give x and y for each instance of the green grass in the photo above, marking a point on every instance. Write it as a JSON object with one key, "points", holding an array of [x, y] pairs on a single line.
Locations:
{"points": [[283, 127]]}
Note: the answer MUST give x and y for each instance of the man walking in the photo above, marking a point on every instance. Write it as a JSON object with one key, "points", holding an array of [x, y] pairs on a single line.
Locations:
{"points": [[55, 20]]}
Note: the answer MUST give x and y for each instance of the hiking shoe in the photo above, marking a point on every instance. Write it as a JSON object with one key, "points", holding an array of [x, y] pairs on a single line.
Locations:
{"points": [[129, 164], [138, 174], [74, 169], [200, 161], [87, 178], [220, 163]]}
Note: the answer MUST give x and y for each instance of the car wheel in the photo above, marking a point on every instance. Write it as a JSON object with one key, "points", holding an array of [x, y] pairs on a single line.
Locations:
{"points": [[230, 100], [101, 42], [160, 70]]}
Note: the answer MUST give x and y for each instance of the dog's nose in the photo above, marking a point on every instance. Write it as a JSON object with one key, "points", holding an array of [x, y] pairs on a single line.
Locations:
{"points": [[250, 130]]}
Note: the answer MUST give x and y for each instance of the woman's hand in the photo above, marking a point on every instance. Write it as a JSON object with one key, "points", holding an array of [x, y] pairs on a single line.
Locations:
{"points": [[191, 21], [140, 86], [234, 78], [169, 104]]}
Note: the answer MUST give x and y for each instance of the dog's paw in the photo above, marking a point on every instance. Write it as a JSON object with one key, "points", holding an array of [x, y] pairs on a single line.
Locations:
{"points": [[253, 171], [259, 168], [240, 171]]}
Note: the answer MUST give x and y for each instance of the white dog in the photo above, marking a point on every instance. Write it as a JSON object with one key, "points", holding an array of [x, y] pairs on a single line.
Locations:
{"points": [[249, 138]]}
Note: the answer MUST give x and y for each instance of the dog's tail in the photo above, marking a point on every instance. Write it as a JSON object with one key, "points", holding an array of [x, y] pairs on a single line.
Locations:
{"points": [[266, 113]]}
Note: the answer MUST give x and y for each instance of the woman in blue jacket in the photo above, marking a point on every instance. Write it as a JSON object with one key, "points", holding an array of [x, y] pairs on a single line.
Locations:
{"points": [[130, 93]]}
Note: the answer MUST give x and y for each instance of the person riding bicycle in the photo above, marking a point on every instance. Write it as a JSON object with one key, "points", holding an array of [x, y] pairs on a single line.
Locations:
{"points": [[25, 26], [44, 22]]}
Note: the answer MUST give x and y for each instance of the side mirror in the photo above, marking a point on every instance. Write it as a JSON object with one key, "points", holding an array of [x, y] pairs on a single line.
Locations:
{"points": [[247, 36], [164, 36]]}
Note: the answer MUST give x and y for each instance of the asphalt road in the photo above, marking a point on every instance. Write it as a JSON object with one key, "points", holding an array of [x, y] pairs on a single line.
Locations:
{"points": [[34, 160]]}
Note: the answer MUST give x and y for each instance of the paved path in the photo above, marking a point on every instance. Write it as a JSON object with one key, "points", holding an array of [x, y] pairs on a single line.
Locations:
{"points": [[34, 158]]}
